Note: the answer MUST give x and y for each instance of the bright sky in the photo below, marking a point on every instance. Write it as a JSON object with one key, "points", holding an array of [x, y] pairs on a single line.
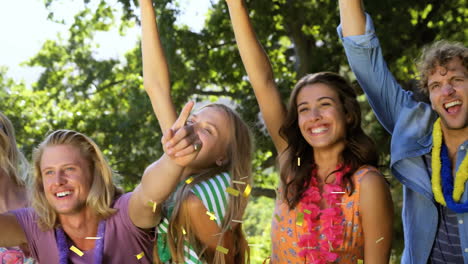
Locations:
{"points": [[24, 28]]}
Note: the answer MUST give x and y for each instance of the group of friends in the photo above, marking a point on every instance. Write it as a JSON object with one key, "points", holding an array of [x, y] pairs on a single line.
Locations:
{"points": [[333, 204]]}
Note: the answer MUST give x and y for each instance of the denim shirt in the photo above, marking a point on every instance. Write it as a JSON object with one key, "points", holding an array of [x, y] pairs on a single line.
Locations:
{"points": [[410, 123]]}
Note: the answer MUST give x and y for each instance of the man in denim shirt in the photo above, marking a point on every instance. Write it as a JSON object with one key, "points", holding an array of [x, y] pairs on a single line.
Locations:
{"points": [[435, 219]]}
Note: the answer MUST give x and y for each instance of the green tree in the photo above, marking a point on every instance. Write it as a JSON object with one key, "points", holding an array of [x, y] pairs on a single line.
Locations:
{"points": [[104, 98]]}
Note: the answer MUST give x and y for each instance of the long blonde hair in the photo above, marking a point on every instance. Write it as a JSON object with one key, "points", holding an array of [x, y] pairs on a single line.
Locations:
{"points": [[12, 161], [103, 189], [239, 153]]}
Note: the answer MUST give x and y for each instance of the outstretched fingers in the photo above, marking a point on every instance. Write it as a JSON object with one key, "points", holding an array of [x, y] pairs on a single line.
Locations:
{"points": [[181, 139], [183, 116]]}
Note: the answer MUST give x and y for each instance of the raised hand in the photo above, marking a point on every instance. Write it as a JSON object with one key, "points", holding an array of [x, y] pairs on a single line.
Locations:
{"points": [[259, 70], [181, 142]]}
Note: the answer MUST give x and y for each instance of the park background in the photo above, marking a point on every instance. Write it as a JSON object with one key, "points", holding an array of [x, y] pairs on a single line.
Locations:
{"points": [[75, 86]]}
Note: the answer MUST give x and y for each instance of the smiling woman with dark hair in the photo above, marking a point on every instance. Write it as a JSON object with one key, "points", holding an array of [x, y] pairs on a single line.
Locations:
{"points": [[333, 204]]}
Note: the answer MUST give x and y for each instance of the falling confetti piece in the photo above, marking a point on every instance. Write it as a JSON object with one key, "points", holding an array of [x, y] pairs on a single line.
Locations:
{"points": [[183, 231], [360, 261], [300, 219], [95, 238], [212, 216], [237, 221], [222, 249], [278, 219], [255, 245], [232, 191], [247, 190], [378, 240], [307, 211], [141, 255], [77, 251], [239, 182], [153, 205], [189, 180], [244, 177], [337, 192], [298, 161]]}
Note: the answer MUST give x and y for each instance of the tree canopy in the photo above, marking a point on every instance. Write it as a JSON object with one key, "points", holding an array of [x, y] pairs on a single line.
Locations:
{"points": [[104, 98]]}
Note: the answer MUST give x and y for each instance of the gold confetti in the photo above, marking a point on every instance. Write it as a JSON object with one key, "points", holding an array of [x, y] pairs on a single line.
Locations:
{"points": [[232, 191], [95, 238], [378, 240], [239, 182], [278, 219], [222, 249], [298, 161], [360, 261], [255, 245], [300, 219], [153, 205], [237, 221], [183, 231], [140, 256], [307, 211], [189, 180], [247, 190], [77, 251], [337, 192], [244, 177], [212, 216]]}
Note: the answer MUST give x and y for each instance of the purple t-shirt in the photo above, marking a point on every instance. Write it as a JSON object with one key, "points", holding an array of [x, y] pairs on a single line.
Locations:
{"points": [[123, 241]]}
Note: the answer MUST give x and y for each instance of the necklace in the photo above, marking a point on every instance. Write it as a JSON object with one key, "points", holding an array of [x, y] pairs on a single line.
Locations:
{"points": [[63, 247], [319, 251], [445, 191]]}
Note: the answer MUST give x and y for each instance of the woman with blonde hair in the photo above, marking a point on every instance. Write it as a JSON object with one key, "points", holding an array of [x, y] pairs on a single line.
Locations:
{"points": [[13, 173], [203, 216], [334, 205]]}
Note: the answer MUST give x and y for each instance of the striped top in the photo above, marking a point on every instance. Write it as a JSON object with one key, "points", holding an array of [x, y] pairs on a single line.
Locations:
{"points": [[213, 194], [447, 247]]}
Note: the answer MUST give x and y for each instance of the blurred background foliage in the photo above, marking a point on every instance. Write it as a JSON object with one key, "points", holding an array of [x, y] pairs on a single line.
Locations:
{"points": [[104, 98]]}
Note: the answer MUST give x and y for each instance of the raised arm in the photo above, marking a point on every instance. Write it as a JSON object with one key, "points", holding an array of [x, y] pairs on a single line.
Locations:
{"points": [[155, 70], [259, 70], [161, 178], [352, 16], [387, 98], [11, 233]]}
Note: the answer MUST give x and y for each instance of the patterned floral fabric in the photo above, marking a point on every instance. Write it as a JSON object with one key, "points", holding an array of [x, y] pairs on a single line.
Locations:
{"points": [[285, 232], [14, 256]]}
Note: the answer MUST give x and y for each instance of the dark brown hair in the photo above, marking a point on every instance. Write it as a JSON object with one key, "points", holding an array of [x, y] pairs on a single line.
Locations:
{"points": [[359, 148], [440, 53]]}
